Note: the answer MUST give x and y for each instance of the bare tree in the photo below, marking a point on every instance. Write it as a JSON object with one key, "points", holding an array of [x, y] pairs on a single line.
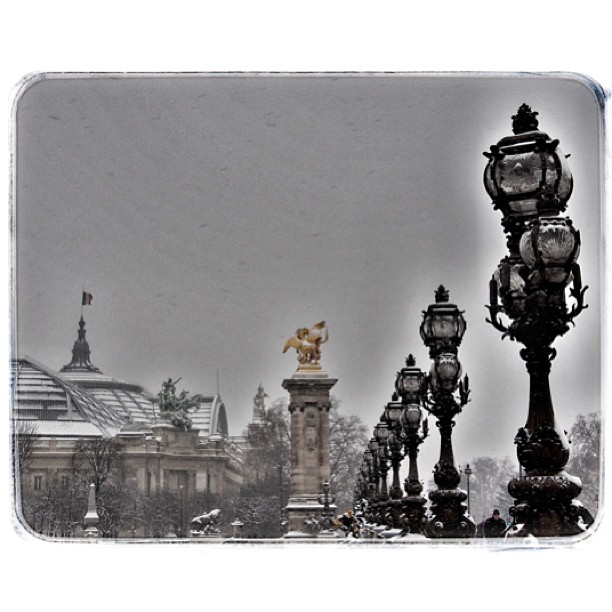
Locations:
{"points": [[348, 437], [489, 486], [161, 514], [55, 510], [26, 441], [585, 457], [260, 512], [267, 464], [94, 461], [99, 462], [266, 473]]}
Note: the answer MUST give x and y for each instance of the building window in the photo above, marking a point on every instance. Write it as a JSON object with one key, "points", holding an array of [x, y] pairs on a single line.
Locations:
{"points": [[37, 483], [65, 482]]}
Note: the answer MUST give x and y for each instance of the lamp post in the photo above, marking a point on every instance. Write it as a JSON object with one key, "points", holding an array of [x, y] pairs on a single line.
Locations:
{"points": [[392, 415], [368, 475], [528, 179], [361, 491], [373, 450], [326, 499], [280, 497], [375, 479], [372, 479], [467, 470], [181, 522], [442, 330], [411, 385], [381, 434]]}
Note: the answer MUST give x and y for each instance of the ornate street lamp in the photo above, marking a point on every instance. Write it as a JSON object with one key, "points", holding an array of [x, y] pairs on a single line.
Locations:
{"points": [[442, 330], [361, 491], [369, 486], [529, 180], [368, 473], [411, 384], [443, 325], [381, 435], [326, 500], [375, 481], [392, 415], [468, 471]]}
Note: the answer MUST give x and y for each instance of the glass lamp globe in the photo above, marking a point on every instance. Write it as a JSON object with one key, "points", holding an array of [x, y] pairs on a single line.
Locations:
{"points": [[443, 324], [410, 381], [527, 173], [411, 419], [446, 371], [553, 244], [381, 432], [393, 413], [508, 278]]}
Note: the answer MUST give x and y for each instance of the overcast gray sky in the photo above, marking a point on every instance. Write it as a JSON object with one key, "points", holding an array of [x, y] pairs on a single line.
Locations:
{"points": [[211, 216]]}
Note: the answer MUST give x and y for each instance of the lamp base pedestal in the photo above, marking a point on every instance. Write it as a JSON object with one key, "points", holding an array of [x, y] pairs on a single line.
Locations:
{"points": [[546, 506], [414, 514], [304, 515], [449, 515], [545, 503]]}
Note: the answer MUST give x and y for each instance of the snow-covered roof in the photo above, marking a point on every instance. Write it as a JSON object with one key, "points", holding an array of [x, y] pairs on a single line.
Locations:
{"points": [[129, 400], [211, 418], [57, 406], [107, 402], [61, 429]]}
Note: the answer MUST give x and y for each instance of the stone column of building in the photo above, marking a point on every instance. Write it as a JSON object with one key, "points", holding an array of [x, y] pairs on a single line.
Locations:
{"points": [[310, 464], [309, 406]]}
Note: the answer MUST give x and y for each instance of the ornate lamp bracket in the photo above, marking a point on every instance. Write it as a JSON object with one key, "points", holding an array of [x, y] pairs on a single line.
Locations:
{"points": [[495, 321], [577, 292]]}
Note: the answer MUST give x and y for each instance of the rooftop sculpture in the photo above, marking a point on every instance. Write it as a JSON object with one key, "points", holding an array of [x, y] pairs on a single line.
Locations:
{"points": [[174, 408]]}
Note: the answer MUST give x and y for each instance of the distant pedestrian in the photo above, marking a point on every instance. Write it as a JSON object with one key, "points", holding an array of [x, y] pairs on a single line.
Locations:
{"points": [[349, 524], [494, 526]]}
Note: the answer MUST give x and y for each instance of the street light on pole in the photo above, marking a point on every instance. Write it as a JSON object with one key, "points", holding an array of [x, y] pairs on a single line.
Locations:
{"points": [[467, 470], [442, 330], [529, 181], [381, 434], [411, 385]]}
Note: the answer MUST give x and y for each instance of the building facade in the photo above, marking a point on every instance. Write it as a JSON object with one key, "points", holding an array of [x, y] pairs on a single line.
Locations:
{"points": [[79, 425]]}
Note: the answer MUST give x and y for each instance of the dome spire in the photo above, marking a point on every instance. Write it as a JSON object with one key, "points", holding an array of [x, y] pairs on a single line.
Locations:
{"points": [[80, 353]]}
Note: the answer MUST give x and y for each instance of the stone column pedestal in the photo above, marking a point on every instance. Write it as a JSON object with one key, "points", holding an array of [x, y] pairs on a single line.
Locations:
{"points": [[309, 406]]}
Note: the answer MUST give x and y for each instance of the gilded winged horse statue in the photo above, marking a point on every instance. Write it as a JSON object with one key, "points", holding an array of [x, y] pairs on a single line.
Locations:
{"points": [[307, 342]]}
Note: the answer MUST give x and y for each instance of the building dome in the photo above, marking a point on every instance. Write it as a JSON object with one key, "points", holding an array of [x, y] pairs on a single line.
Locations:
{"points": [[60, 417], [128, 400]]}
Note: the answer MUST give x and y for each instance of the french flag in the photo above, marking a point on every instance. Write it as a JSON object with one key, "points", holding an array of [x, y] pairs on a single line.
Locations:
{"points": [[87, 298]]}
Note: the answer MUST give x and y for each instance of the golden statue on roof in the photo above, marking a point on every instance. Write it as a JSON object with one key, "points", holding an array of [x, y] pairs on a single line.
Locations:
{"points": [[307, 342]]}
